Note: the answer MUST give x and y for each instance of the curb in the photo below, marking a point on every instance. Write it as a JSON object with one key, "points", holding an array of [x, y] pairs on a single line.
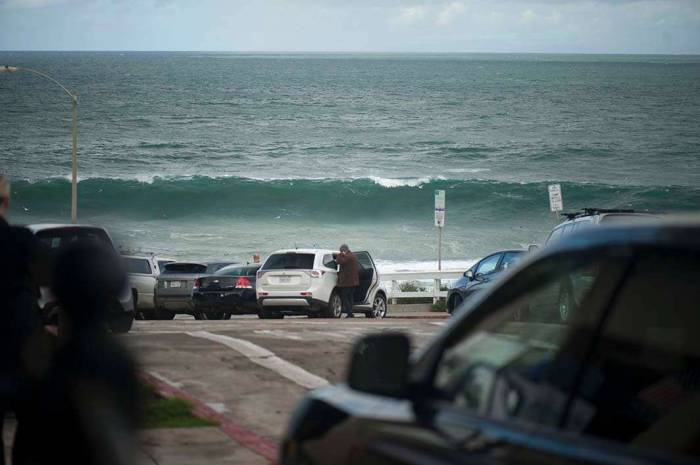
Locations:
{"points": [[418, 317], [262, 446]]}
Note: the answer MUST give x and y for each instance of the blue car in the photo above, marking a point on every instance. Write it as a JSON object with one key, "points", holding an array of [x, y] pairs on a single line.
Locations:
{"points": [[480, 276]]}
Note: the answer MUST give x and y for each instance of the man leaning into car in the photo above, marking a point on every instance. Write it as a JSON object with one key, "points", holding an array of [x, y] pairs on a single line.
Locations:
{"points": [[348, 277]]}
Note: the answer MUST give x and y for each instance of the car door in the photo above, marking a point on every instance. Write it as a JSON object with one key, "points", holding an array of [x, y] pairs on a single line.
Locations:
{"points": [[368, 277], [498, 391]]}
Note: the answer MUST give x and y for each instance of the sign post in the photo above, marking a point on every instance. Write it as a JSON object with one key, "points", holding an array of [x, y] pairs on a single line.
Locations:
{"points": [[440, 221], [556, 201]]}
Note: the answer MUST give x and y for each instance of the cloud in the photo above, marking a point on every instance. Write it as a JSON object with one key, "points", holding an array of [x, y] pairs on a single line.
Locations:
{"points": [[410, 15], [448, 12]]}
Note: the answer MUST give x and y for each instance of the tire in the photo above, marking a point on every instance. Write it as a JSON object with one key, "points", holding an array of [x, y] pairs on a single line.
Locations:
{"points": [[138, 314], [265, 314], [379, 307], [565, 305], [455, 302], [226, 316], [335, 306], [120, 323]]}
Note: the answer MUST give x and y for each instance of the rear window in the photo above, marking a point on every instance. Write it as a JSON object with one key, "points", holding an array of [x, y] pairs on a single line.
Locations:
{"points": [[290, 261], [237, 271], [162, 263], [137, 265], [214, 267], [60, 237], [172, 268]]}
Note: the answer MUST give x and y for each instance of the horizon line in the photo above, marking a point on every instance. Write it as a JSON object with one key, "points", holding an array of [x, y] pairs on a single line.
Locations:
{"points": [[340, 52]]}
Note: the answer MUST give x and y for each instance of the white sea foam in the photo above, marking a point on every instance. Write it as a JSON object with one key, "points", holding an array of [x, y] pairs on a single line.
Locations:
{"points": [[404, 182]]}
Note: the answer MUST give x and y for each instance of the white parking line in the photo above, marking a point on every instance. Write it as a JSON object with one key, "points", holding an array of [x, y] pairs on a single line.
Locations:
{"points": [[165, 380], [265, 358], [278, 333]]}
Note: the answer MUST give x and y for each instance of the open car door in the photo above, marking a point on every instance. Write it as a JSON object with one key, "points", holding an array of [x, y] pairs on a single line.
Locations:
{"points": [[369, 278]]}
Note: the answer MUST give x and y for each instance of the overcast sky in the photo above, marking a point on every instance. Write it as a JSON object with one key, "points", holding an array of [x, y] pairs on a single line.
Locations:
{"points": [[606, 26]]}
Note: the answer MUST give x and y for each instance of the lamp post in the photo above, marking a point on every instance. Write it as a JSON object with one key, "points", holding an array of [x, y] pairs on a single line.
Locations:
{"points": [[74, 100]]}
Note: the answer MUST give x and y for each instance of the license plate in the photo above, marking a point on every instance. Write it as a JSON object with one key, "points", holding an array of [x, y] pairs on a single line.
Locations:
{"points": [[175, 284], [285, 279]]}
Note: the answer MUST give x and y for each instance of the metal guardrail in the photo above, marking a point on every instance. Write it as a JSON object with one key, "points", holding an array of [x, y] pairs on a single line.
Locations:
{"points": [[434, 292]]}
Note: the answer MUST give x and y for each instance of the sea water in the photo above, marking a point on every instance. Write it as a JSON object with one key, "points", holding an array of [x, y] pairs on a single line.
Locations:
{"points": [[221, 155]]}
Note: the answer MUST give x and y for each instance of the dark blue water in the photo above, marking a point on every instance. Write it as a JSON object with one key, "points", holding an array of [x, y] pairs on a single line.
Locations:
{"points": [[199, 154]]}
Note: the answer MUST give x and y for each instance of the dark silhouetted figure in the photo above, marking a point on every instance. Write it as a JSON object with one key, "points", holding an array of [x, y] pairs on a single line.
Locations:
{"points": [[19, 313], [87, 404]]}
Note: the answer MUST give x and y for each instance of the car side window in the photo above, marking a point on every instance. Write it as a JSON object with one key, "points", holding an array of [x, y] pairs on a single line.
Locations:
{"points": [[365, 261], [488, 264], [510, 259], [520, 359], [138, 265], [329, 261], [642, 386]]}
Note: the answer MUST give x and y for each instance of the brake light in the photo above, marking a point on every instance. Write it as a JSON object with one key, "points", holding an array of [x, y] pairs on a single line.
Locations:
{"points": [[197, 283], [259, 274], [243, 283], [315, 273]]}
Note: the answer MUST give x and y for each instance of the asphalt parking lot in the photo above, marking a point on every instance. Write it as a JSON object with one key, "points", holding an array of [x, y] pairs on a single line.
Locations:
{"points": [[254, 371]]}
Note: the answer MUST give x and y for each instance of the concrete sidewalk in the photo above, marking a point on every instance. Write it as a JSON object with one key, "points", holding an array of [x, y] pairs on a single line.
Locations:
{"points": [[187, 446]]}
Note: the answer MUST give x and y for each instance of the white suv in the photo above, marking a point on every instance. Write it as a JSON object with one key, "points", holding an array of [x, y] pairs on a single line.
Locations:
{"points": [[303, 282]]}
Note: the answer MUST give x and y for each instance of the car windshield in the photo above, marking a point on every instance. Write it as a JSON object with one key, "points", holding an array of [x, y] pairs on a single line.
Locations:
{"points": [[174, 268], [290, 261]]}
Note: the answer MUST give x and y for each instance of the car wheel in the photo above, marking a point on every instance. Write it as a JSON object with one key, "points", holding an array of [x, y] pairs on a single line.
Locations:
{"points": [[162, 314], [455, 302], [226, 316], [378, 307], [566, 303], [335, 306], [265, 314], [120, 323], [138, 315]]}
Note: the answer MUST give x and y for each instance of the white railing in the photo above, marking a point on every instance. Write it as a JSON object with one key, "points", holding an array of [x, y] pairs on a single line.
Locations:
{"points": [[430, 279]]}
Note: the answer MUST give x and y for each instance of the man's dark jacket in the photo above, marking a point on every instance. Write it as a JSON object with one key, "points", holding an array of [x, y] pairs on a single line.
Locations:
{"points": [[349, 274]]}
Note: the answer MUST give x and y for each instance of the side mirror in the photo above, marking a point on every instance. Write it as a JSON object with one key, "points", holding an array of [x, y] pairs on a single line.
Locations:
{"points": [[479, 276], [532, 247], [469, 274], [379, 365]]}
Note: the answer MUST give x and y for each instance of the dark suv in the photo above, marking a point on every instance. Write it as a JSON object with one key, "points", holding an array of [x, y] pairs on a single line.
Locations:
{"points": [[587, 217], [480, 276], [619, 383]]}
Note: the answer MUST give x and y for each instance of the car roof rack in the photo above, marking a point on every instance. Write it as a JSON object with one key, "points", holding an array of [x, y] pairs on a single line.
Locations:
{"points": [[590, 211], [597, 211]]}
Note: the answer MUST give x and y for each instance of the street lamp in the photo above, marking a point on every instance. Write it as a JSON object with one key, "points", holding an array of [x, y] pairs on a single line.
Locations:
{"points": [[74, 99]]}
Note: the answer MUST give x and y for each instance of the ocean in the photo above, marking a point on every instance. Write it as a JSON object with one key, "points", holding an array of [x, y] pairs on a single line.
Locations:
{"points": [[222, 155]]}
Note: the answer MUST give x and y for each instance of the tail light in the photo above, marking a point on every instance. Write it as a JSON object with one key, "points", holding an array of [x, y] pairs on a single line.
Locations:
{"points": [[243, 283], [259, 274], [197, 283], [315, 273]]}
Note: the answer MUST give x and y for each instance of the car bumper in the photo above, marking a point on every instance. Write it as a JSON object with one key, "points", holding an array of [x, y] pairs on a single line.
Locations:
{"points": [[232, 301], [175, 303], [292, 304]]}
